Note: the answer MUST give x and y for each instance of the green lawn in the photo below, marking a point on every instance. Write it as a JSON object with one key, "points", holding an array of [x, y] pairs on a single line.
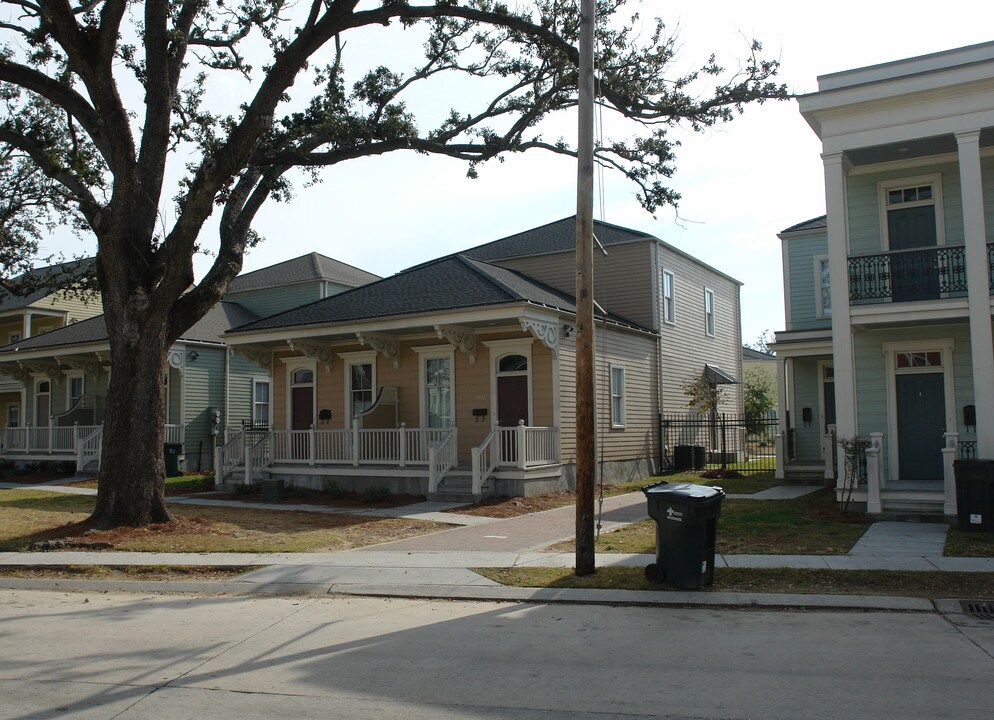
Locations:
{"points": [[969, 544], [809, 525], [930, 585]]}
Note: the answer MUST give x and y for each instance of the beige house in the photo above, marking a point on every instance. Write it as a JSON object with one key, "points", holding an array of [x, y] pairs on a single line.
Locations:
{"points": [[22, 317], [457, 377]]}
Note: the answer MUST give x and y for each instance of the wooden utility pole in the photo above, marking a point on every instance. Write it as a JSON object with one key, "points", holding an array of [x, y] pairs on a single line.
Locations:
{"points": [[586, 455]]}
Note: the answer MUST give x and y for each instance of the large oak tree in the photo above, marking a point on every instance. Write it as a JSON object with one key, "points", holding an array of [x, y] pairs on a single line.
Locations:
{"points": [[107, 97]]}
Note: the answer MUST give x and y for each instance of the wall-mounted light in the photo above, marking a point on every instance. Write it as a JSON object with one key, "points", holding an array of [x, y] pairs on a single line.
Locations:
{"points": [[193, 355]]}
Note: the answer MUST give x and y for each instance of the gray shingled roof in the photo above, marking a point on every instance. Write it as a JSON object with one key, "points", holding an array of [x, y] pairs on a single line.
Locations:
{"points": [[57, 271], [750, 354], [813, 224], [558, 236], [306, 267], [219, 319], [452, 283]]}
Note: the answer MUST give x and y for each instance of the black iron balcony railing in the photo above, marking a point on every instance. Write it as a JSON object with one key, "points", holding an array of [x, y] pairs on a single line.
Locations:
{"points": [[907, 275]]}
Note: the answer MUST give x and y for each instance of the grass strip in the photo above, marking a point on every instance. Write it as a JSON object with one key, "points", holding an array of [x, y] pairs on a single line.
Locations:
{"points": [[928, 584]]}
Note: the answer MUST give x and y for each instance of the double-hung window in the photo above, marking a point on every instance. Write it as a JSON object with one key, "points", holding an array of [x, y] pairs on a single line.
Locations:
{"points": [[260, 403], [709, 312], [669, 299], [617, 396]]}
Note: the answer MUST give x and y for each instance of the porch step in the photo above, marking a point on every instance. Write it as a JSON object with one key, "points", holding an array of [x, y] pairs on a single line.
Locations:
{"points": [[913, 510], [804, 473], [459, 488]]}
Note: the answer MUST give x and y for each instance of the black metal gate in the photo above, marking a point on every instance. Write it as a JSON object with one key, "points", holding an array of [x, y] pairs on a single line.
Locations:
{"points": [[707, 442]]}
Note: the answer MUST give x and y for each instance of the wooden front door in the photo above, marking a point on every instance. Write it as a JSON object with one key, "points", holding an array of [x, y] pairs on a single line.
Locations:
{"points": [[302, 408], [921, 424], [512, 400]]}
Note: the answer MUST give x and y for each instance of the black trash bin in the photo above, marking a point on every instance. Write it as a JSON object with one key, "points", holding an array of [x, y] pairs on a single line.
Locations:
{"points": [[975, 495], [170, 453], [686, 518]]}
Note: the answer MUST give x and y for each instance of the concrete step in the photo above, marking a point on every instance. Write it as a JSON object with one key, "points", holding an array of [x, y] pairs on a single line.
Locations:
{"points": [[913, 510], [459, 488]]}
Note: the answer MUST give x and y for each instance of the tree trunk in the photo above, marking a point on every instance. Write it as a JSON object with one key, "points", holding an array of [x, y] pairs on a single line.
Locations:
{"points": [[131, 486]]}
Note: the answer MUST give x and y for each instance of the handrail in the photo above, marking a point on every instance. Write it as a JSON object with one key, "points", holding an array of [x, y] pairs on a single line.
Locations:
{"points": [[441, 459], [484, 460], [228, 457], [904, 275], [259, 456], [89, 448]]}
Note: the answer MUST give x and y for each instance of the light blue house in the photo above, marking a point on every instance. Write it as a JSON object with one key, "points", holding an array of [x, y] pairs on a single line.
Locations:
{"points": [[888, 333], [63, 373]]}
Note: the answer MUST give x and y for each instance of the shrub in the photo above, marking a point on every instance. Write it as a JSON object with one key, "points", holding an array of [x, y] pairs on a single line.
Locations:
{"points": [[332, 490], [378, 495]]}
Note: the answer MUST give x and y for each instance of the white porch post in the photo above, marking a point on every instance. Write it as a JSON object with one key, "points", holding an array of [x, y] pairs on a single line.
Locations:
{"points": [[780, 441], [873, 503], [948, 474], [522, 439], [311, 444], [26, 328], [355, 444], [978, 289], [829, 455], [838, 265], [402, 447]]}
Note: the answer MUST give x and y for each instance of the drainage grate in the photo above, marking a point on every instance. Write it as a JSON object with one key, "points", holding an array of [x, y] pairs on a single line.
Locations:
{"points": [[980, 609]]}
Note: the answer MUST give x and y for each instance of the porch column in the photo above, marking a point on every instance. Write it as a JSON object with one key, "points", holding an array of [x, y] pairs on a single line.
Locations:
{"points": [[780, 442], [836, 168], [978, 289], [949, 475], [26, 329]]}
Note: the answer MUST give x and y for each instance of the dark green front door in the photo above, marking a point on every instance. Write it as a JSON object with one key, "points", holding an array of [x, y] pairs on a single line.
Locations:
{"points": [[921, 423], [914, 275]]}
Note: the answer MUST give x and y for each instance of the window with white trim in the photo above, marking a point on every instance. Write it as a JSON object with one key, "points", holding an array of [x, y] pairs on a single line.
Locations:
{"points": [[14, 415], [260, 402], [617, 396], [75, 389], [709, 312], [14, 337], [912, 214], [438, 391], [360, 397], [669, 298]]}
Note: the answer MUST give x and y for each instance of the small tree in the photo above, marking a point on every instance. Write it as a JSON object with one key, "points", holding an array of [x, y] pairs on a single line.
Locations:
{"points": [[702, 394], [760, 398]]}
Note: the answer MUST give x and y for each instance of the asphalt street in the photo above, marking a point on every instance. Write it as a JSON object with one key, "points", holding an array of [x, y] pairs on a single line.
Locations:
{"points": [[103, 655]]}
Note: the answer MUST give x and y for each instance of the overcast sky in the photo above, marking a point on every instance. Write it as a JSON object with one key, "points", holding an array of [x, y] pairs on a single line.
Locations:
{"points": [[741, 183]]}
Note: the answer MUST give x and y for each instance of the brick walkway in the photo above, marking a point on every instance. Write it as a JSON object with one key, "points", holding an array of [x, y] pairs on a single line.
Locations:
{"points": [[526, 532]]}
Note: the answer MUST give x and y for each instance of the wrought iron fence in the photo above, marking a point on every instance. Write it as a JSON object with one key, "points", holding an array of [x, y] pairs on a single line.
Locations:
{"points": [[732, 442], [966, 450], [905, 275]]}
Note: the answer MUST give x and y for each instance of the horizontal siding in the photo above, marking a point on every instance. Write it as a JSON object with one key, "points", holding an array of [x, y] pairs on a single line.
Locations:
{"points": [[639, 437], [241, 374], [270, 301], [685, 347], [807, 394], [203, 381], [623, 280], [801, 254]]}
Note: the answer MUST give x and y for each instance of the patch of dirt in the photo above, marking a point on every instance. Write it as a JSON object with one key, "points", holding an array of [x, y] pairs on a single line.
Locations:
{"points": [[83, 536], [133, 572], [300, 496], [512, 507], [721, 473]]}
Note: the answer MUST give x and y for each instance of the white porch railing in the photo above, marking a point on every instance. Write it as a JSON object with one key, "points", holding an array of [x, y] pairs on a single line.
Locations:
{"points": [[258, 455], [52, 440], [441, 459], [228, 457], [541, 446]]}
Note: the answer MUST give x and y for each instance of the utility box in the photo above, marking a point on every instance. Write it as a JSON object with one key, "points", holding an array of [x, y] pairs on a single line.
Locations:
{"points": [[974, 495], [686, 518]]}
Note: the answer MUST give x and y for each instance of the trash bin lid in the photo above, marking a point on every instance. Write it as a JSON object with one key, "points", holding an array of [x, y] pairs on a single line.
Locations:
{"points": [[687, 491]]}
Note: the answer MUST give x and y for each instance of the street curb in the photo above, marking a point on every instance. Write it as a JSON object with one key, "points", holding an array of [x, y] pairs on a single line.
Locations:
{"points": [[572, 596]]}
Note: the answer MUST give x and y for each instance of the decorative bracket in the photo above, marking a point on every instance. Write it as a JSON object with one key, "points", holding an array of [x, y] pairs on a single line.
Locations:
{"points": [[321, 353], [548, 333], [462, 337], [176, 357], [262, 357], [90, 366], [387, 345]]}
